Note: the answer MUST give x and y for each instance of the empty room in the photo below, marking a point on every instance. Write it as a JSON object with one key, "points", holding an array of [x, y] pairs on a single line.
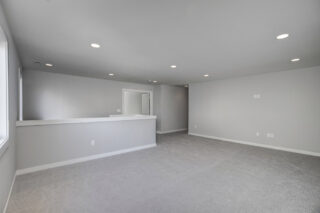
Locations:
{"points": [[194, 106]]}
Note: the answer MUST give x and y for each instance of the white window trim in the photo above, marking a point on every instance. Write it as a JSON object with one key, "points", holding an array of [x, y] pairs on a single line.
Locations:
{"points": [[4, 141], [20, 95]]}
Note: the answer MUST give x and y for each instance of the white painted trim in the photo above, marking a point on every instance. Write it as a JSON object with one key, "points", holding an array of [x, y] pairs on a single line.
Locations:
{"points": [[317, 154], [79, 160], [171, 131], [83, 120], [20, 95], [9, 195]]}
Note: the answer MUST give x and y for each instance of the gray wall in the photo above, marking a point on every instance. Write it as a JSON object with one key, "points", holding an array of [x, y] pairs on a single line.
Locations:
{"points": [[7, 160], [38, 145], [172, 108], [156, 106], [289, 108], [57, 96], [145, 104], [132, 103]]}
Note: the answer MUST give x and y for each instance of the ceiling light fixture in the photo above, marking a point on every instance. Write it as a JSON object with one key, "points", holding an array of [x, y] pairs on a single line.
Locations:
{"points": [[186, 85], [154, 81], [283, 36], [95, 45], [295, 59], [206, 75], [49, 65], [111, 74], [173, 66]]}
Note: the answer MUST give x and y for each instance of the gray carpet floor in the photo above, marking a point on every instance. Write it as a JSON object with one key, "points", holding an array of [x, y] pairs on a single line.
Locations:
{"points": [[182, 174]]}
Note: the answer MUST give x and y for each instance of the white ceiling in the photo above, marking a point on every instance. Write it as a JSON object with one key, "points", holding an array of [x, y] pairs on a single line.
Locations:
{"points": [[140, 39]]}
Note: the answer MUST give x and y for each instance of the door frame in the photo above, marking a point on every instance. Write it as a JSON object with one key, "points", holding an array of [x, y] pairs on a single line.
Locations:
{"points": [[142, 91]]}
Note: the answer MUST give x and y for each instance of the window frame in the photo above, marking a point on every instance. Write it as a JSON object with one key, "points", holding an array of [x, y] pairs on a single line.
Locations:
{"points": [[4, 140], [20, 80]]}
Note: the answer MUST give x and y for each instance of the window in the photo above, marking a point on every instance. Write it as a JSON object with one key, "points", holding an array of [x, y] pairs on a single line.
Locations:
{"points": [[4, 129]]}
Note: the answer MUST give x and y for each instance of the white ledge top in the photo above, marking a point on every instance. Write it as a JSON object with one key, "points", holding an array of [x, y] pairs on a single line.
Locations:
{"points": [[84, 120]]}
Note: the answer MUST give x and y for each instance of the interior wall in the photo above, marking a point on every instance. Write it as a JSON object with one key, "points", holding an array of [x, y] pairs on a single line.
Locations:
{"points": [[173, 108], [145, 104], [279, 109], [58, 96], [157, 106], [46, 144], [133, 102], [7, 159]]}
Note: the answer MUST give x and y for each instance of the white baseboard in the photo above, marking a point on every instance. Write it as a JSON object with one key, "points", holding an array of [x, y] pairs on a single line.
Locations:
{"points": [[171, 131], [9, 195], [79, 160], [317, 154]]}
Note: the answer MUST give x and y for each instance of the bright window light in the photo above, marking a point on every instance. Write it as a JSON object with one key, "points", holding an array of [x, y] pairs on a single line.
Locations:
{"points": [[4, 129]]}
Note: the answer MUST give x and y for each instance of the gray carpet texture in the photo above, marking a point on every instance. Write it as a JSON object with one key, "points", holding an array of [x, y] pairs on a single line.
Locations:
{"points": [[182, 174]]}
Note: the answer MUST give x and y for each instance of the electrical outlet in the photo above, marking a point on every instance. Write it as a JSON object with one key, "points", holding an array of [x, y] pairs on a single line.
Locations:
{"points": [[196, 126], [93, 142], [270, 135], [118, 110], [257, 134]]}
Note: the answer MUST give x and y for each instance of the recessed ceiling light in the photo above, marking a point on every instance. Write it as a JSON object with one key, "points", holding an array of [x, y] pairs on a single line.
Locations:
{"points": [[186, 85], [154, 81], [49, 65], [95, 45], [283, 36], [295, 59], [111, 74], [173, 66], [206, 75]]}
